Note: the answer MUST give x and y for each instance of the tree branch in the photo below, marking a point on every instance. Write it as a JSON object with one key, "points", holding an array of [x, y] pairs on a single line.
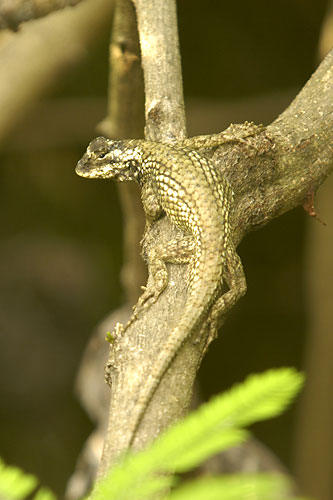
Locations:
{"points": [[15, 12], [165, 121], [271, 173], [27, 68], [290, 158], [165, 112]]}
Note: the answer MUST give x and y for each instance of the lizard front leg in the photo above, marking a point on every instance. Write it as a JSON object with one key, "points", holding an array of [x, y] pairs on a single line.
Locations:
{"points": [[151, 206], [177, 251], [241, 133], [153, 210]]}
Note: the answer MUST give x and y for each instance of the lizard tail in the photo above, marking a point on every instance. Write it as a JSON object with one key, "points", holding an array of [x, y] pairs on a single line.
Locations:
{"points": [[202, 292]]}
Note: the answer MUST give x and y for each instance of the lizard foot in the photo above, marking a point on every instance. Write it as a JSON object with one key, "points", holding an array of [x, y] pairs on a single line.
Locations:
{"points": [[147, 299]]}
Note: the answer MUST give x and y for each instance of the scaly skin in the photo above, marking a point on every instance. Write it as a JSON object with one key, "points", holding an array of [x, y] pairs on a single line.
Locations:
{"points": [[196, 198]]}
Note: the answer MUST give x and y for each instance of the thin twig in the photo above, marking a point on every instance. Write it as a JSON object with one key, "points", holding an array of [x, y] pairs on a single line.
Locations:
{"points": [[35, 57], [125, 119], [15, 12], [165, 114]]}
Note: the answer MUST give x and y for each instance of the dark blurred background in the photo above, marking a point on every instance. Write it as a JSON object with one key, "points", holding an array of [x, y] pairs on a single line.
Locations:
{"points": [[61, 236]]}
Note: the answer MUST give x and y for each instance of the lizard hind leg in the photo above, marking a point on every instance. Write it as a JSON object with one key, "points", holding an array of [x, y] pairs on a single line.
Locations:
{"points": [[176, 251], [235, 279]]}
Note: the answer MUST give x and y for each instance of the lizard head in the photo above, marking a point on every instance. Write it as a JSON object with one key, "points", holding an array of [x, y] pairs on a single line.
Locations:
{"points": [[108, 159]]}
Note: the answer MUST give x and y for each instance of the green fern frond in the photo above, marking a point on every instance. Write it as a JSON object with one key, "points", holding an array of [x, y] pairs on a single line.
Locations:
{"points": [[132, 481], [17, 485], [236, 487], [215, 426], [44, 494], [14, 483], [259, 397], [198, 452]]}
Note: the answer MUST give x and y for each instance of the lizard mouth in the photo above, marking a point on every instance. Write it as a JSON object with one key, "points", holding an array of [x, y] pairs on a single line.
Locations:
{"points": [[96, 170], [84, 168]]}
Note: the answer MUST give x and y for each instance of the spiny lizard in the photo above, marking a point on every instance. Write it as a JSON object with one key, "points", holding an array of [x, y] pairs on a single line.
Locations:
{"points": [[196, 198]]}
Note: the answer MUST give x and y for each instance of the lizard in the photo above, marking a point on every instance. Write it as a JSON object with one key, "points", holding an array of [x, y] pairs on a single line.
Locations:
{"points": [[194, 195]]}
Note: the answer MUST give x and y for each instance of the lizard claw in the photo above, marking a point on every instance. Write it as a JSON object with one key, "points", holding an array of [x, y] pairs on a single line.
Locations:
{"points": [[148, 298]]}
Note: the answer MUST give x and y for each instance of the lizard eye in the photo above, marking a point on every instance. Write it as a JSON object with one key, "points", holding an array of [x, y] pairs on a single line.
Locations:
{"points": [[101, 155]]}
